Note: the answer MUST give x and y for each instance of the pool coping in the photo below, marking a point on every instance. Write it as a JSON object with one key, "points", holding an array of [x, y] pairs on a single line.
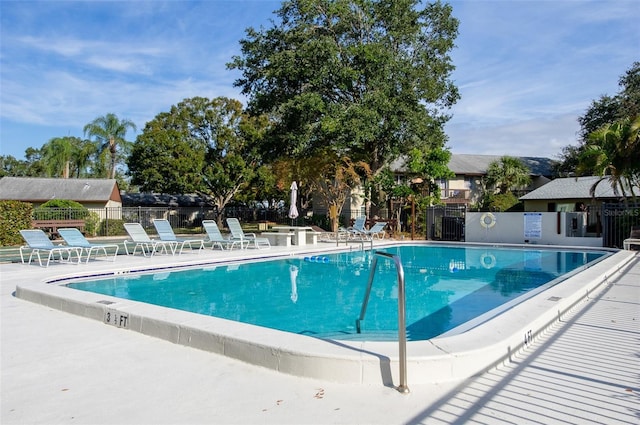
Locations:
{"points": [[440, 359]]}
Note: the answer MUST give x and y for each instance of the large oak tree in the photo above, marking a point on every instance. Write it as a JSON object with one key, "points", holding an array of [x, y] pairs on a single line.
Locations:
{"points": [[204, 146], [369, 80]]}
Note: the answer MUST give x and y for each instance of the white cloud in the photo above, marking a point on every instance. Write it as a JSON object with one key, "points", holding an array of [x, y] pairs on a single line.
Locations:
{"points": [[543, 137], [74, 47]]}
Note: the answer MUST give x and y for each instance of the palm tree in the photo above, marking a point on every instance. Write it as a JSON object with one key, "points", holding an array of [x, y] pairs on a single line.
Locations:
{"points": [[508, 173], [110, 131], [57, 154], [613, 152], [84, 151]]}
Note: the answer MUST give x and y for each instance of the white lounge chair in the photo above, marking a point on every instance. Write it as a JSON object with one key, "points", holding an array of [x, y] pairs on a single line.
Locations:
{"points": [[326, 236], [38, 241], [165, 232], [633, 239], [358, 227], [238, 234], [215, 236], [376, 231], [74, 238], [140, 239]]}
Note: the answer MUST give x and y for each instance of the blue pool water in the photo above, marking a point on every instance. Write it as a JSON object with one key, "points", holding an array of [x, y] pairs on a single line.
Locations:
{"points": [[322, 295]]}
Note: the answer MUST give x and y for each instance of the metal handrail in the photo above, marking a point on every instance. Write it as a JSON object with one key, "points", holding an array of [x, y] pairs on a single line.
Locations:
{"points": [[402, 331]]}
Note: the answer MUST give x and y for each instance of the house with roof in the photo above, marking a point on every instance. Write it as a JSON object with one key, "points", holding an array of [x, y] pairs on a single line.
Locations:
{"points": [[571, 194], [91, 193], [146, 199], [466, 187], [462, 190]]}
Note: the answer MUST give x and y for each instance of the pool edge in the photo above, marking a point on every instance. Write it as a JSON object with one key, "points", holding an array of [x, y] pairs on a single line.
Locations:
{"points": [[438, 360]]}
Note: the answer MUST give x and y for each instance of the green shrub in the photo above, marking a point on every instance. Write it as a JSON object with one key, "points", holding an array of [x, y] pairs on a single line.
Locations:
{"points": [[14, 216], [91, 223], [60, 209], [111, 227], [321, 220], [501, 202]]}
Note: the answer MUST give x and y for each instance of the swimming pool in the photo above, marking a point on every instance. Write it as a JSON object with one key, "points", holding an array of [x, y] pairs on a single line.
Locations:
{"points": [[321, 296], [457, 354]]}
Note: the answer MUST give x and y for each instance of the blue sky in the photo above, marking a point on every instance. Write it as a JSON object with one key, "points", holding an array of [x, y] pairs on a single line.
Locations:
{"points": [[526, 70]]}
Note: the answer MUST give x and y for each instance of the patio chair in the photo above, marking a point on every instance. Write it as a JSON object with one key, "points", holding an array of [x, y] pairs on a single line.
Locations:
{"points": [[74, 238], [165, 232], [214, 236], [633, 239], [140, 239], [238, 234], [327, 236], [376, 231], [358, 227], [38, 241]]}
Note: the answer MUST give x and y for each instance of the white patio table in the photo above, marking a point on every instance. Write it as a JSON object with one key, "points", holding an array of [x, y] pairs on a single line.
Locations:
{"points": [[300, 233]]}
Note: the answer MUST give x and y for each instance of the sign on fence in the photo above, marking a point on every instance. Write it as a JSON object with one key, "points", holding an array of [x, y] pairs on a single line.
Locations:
{"points": [[532, 225]]}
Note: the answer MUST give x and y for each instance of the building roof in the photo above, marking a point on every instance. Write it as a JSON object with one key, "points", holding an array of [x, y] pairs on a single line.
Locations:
{"points": [[161, 200], [36, 189], [479, 164], [572, 188], [467, 164]]}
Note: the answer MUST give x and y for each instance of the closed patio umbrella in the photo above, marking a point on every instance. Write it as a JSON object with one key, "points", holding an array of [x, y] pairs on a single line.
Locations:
{"points": [[293, 210]]}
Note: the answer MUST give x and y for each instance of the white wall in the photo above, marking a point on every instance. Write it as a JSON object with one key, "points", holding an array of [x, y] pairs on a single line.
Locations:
{"points": [[509, 227]]}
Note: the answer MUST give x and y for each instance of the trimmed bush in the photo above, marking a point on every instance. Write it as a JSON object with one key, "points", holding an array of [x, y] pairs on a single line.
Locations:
{"points": [[60, 209], [502, 202], [14, 216], [91, 223], [115, 228]]}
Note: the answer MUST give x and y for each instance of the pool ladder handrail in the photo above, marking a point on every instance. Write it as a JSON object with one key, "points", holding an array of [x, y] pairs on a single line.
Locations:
{"points": [[402, 331]]}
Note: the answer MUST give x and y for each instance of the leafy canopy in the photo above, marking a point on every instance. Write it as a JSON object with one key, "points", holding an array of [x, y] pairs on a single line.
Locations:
{"points": [[613, 152], [201, 145], [508, 173], [367, 79]]}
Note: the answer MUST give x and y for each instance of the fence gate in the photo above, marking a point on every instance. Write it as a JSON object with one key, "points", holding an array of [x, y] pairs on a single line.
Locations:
{"points": [[445, 223]]}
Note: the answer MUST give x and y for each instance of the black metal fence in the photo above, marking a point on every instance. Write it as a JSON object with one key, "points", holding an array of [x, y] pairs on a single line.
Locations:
{"points": [[191, 217], [445, 223], [613, 223], [617, 220], [109, 221]]}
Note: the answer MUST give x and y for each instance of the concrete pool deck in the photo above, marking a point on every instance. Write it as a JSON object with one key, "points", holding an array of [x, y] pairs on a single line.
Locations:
{"points": [[62, 368]]}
